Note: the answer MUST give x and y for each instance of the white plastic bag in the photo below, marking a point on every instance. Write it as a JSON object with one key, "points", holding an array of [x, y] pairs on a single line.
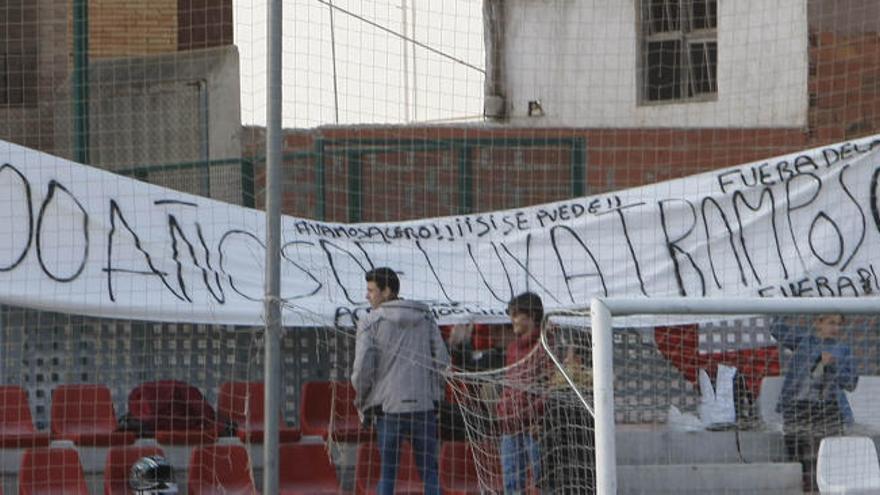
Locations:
{"points": [[679, 421], [716, 408]]}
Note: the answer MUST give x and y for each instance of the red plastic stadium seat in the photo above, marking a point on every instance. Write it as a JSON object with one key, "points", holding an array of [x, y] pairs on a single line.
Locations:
{"points": [[84, 414], [178, 412], [16, 425], [306, 469], [316, 409], [118, 465], [483, 337], [242, 402], [368, 468], [47, 471], [458, 471], [220, 469], [458, 474], [186, 437]]}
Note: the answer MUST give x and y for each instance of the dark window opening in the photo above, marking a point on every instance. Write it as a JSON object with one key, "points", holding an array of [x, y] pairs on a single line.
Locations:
{"points": [[664, 70], [662, 16], [680, 49], [704, 14], [704, 60]]}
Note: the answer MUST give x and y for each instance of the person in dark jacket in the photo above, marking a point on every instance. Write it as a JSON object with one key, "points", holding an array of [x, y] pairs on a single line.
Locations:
{"points": [[568, 425], [812, 401], [465, 357], [400, 359], [521, 407]]}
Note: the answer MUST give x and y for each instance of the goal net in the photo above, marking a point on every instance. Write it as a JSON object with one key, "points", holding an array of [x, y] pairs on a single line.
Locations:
{"points": [[740, 416], [734, 404], [529, 422]]}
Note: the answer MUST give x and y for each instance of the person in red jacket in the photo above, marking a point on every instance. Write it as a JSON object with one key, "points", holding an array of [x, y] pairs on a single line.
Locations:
{"points": [[520, 407]]}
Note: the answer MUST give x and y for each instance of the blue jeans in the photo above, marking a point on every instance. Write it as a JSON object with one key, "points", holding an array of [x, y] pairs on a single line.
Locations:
{"points": [[421, 430], [517, 453]]}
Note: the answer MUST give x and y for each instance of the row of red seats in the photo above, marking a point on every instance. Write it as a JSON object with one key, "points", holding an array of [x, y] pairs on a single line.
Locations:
{"points": [[243, 403], [85, 415], [458, 471], [303, 469]]}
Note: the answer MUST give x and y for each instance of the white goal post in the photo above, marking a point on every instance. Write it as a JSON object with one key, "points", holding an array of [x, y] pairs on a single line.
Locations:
{"points": [[602, 312]]}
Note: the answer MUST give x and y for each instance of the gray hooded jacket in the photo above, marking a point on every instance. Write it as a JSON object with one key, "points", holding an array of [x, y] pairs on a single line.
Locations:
{"points": [[399, 359]]}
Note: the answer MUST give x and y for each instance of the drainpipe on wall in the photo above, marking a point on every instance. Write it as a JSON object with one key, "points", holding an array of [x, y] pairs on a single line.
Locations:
{"points": [[80, 81], [495, 97], [204, 134]]}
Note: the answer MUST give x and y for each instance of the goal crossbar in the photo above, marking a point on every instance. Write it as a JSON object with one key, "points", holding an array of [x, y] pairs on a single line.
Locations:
{"points": [[602, 311]]}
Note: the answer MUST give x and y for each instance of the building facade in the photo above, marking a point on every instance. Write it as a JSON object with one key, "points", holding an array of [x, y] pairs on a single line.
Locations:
{"points": [[596, 96], [126, 85]]}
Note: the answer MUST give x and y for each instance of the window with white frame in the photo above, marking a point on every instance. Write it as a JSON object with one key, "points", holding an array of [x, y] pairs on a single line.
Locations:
{"points": [[679, 56]]}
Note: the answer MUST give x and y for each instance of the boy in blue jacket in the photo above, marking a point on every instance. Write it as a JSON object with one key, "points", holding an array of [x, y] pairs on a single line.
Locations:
{"points": [[812, 401]]}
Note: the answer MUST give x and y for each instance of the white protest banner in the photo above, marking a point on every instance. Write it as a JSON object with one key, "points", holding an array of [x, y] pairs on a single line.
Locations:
{"points": [[81, 240]]}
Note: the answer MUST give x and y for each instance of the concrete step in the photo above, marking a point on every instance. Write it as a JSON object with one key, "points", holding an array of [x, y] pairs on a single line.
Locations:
{"points": [[641, 445], [768, 478]]}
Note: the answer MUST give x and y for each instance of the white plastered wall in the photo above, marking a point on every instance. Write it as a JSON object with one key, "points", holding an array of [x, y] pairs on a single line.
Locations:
{"points": [[579, 58]]}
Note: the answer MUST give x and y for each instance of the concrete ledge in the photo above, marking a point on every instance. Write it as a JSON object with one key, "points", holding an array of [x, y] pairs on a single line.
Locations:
{"points": [[759, 479], [646, 446]]}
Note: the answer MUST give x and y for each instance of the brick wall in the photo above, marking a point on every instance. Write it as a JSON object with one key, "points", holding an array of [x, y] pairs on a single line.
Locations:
{"points": [[406, 183], [844, 84], [120, 28]]}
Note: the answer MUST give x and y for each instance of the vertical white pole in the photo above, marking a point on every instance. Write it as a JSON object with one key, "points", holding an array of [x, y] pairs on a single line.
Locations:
{"points": [[415, 79], [272, 301], [603, 397], [405, 45], [333, 56]]}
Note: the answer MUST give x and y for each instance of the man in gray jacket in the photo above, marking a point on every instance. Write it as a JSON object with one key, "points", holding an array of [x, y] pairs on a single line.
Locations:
{"points": [[399, 362]]}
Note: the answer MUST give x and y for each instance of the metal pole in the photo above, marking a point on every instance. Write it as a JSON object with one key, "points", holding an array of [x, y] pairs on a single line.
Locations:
{"points": [[206, 135], [272, 338], [201, 86], [560, 368], [81, 81], [405, 45], [415, 79], [742, 306], [333, 56], [603, 398]]}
